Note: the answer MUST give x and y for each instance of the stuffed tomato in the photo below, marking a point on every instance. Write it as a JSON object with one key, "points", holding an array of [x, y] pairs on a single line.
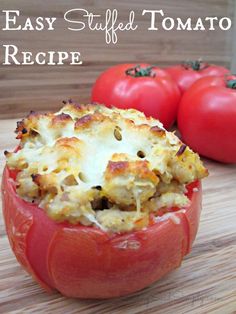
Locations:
{"points": [[100, 202]]}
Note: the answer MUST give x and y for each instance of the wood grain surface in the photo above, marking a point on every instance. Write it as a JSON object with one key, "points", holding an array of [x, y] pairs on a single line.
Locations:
{"points": [[205, 283], [23, 88]]}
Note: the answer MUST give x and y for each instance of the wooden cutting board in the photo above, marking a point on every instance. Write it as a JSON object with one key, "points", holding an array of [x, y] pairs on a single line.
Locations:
{"points": [[205, 283]]}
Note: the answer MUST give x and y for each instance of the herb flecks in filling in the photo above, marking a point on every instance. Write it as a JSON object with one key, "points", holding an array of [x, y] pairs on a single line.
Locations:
{"points": [[93, 165]]}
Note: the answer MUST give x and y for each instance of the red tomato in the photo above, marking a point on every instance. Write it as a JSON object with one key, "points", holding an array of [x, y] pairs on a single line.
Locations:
{"points": [[145, 88], [207, 118], [188, 73], [87, 262]]}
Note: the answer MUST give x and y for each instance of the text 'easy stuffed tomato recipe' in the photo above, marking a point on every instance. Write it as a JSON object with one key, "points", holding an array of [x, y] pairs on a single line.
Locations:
{"points": [[100, 202]]}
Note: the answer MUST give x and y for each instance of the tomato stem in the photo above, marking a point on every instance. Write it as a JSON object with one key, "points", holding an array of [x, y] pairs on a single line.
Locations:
{"points": [[137, 71], [231, 84], [195, 65]]}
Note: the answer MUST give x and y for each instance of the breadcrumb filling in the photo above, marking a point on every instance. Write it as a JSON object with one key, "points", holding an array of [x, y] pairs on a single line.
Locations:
{"points": [[101, 166]]}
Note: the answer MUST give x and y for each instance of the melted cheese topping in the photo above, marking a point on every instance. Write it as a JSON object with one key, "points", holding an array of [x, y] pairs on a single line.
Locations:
{"points": [[90, 164]]}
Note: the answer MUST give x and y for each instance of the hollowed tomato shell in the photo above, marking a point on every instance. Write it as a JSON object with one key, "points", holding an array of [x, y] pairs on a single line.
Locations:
{"points": [[86, 262]]}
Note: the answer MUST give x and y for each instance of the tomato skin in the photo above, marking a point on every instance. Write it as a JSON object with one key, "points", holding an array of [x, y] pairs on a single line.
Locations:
{"points": [[185, 76], [156, 95], [87, 262], [207, 119]]}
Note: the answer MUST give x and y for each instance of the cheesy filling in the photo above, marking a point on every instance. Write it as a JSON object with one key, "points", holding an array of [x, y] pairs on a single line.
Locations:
{"points": [[93, 165]]}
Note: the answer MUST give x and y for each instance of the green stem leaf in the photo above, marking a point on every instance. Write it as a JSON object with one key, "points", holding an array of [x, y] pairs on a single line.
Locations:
{"points": [[231, 84], [195, 65], [137, 71]]}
